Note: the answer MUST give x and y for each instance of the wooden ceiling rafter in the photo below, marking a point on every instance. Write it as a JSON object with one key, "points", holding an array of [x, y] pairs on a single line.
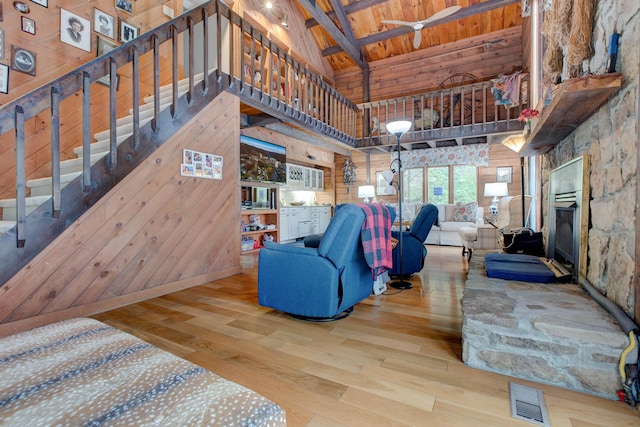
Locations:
{"points": [[400, 31], [346, 45], [349, 9]]}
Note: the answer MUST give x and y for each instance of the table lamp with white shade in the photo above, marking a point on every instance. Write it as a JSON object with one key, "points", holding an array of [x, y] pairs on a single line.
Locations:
{"points": [[495, 190], [366, 191]]}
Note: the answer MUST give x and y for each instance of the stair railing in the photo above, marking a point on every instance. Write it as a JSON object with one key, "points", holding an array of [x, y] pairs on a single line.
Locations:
{"points": [[286, 90]]}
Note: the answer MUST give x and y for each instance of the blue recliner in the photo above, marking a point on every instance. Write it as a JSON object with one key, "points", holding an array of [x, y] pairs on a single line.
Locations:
{"points": [[413, 250], [321, 283]]}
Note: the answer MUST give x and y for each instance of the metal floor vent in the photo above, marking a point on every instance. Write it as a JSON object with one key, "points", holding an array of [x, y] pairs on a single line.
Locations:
{"points": [[527, 404]]}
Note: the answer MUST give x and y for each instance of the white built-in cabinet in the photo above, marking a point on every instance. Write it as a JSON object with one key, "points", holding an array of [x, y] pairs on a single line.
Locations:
{"points": [[298, 222], [304, 178]]}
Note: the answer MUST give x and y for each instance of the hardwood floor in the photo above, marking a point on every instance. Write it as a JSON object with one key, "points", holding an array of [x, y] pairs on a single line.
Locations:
{"points": [[396, 361]]}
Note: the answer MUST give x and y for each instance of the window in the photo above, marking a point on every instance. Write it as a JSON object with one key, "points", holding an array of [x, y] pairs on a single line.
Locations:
{"points": [[465, 184], [412, 180], [440, 184]]}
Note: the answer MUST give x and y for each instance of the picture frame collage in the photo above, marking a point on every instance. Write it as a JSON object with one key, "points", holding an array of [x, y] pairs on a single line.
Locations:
{"points": [[110, 31], [201, 165]]}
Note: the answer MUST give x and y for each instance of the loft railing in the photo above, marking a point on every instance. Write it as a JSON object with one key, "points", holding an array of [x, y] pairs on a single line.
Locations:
{"points": [[234, 58], [452, 113]]}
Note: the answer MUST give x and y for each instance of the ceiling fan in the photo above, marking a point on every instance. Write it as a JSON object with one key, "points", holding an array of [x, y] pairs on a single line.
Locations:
{"points": [[419, 25]]}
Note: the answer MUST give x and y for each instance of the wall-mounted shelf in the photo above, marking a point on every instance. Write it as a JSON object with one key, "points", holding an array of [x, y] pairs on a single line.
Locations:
{"points": [[574, 100]]}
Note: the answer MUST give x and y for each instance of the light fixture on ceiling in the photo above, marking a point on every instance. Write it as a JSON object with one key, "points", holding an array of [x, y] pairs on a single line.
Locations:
{"points": [[268, 4], [399, 128], [284, 21]]}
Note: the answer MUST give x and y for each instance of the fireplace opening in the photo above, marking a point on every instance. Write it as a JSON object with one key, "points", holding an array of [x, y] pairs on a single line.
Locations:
{"points": [[564, 246]]}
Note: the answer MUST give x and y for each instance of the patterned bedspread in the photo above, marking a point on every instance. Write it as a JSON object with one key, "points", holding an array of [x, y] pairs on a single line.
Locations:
{"points": [[84, 372]]}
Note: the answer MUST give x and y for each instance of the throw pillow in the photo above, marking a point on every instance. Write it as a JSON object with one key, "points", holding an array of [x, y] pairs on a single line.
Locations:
{"points": [[466, 212]]}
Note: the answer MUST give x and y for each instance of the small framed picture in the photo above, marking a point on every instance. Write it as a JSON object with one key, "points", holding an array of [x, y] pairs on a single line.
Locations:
{"points": [[43, 3], [106, 81], [503, 174], [21, 7], [125, 6], [104, 24], [75, 30], [23, 60], [28, 25], [104, 46], [4, 78], [128, 32]]}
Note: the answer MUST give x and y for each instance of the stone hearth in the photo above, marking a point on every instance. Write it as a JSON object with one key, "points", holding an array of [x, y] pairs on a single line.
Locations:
{"points": [[549, 333]]}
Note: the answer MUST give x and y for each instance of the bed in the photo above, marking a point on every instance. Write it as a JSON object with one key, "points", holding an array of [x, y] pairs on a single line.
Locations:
{"points": [[84, 372]]}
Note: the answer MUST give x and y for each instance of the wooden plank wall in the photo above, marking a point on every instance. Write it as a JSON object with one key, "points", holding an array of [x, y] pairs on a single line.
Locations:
{"points": [[499, 156], [37, 131], [398, 76], [154, 233], [54, 59]]}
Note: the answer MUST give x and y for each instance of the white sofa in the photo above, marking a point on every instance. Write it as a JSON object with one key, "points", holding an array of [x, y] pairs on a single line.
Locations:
{"points": [[446, 231]]}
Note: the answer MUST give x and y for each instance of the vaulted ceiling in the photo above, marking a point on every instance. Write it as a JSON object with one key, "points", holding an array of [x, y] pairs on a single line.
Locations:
{"points": [[351, 32]]}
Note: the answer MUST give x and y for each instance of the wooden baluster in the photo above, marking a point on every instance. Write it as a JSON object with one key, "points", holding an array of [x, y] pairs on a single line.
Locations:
{"points": [[135, 90], [21, 180], [55, 151]]}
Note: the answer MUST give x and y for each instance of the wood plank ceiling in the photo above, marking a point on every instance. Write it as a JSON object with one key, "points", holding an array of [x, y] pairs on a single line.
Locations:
{"points": [[343, 29], [351, 33]]}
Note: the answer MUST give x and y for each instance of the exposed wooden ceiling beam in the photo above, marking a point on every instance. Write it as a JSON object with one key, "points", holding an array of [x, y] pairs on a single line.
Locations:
{"points": [[402, 30], [349, 9], [334, 32]]}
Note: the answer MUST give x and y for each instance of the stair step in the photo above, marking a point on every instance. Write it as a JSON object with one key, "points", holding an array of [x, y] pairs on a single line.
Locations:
{"points": [[42, 186], [164, 96], [101, 146], [6, 226], [31, 204], [75, 165], [126, 128]]}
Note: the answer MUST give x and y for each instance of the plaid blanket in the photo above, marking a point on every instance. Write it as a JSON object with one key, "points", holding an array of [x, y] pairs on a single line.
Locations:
{"points": [[376, 238]]}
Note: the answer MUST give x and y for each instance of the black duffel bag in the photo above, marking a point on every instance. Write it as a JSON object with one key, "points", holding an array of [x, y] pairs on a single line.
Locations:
{"points": [[523, 241]]}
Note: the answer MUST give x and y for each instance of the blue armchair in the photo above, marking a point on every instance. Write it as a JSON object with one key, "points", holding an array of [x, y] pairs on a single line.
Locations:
{"points": [[322, 283], [413, 250]]}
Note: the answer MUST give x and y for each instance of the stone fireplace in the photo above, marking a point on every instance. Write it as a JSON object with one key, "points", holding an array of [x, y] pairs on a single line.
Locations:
{"points": [[568, 216]]}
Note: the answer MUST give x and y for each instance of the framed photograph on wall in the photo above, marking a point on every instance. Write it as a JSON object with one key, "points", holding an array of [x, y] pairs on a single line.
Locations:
{"points": [[383, 188], [28, 25], [125, 6], [75, 30], [504, 174], [4, 78], [43, 3], [104, 24], [104, 46], [23, 60], [128, 32]]}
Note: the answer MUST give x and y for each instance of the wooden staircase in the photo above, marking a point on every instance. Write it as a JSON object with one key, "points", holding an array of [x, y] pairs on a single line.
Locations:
{"points": [[41, 189]]}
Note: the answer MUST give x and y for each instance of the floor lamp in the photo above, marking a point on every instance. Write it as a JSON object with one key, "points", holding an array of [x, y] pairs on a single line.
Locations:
{"points": [[399, 128], [515, 143]]}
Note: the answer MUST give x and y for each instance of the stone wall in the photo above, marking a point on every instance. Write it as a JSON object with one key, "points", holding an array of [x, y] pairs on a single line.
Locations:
{"points": [[610, 137]]}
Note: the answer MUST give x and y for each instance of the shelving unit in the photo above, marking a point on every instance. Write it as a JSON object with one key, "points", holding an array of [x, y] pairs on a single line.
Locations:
{"points": [[574, 100], [259, 201]]}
